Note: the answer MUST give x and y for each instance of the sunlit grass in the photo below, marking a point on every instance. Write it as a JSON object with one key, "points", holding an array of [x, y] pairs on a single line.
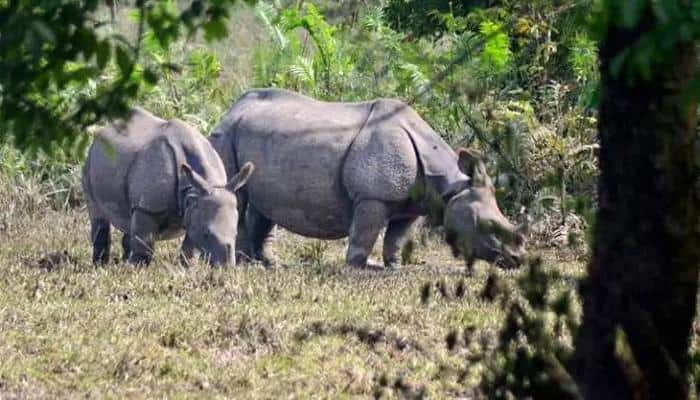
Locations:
{"points": [[307, 328]]}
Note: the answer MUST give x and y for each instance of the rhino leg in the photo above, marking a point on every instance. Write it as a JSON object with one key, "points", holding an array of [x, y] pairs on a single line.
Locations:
{"points": [[369, 217], [259, 231], [243, 247], [397, 234], [470, 265], [126, 247], [142, 235], [99, 236], [186, 252]]}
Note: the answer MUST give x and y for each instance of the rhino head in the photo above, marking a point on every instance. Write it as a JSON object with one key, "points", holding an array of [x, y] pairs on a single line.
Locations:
{"points": [[475, 227], [211, 216]]}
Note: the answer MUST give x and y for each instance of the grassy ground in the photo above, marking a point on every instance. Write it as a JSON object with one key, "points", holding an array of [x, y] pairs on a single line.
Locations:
{"points": [[310, 327]]}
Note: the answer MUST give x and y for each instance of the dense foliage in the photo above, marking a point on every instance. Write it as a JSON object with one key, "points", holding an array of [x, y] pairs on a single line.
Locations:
{"points": [[62, 69], [518, 80]]}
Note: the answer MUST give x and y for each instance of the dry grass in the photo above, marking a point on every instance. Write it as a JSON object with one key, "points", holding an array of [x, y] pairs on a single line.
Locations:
{"points": [[310, 327]]}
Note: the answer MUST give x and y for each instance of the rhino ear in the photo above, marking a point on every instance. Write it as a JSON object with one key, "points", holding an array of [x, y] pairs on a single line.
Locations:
{"points": [[196, 180], [240, 179], [471, 162]]}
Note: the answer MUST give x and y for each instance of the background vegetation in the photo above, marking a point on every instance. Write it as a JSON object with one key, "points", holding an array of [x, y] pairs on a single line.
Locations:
{"points": [[517, 79]]}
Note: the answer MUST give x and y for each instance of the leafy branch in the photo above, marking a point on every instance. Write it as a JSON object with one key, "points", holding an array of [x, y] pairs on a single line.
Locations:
{"points": [[47, 48]]}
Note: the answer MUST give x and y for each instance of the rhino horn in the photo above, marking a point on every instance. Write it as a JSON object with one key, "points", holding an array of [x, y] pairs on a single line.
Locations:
{"points": [[196, 180], [241, 177]]}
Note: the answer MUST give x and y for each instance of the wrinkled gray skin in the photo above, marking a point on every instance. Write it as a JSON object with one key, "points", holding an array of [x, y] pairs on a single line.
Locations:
{"points": [[330, 170], [154, 180]]}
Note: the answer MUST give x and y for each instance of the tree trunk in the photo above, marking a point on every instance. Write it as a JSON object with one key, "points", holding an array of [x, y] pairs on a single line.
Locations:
{"points": [[640, 294]]}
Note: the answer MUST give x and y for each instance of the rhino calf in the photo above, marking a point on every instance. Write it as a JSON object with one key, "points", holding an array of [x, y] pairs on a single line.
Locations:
{"points": [[329, 170], [154, 180]]}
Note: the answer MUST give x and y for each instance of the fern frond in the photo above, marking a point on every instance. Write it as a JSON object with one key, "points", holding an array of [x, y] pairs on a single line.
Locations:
{"points": [[496, 55], [419, 82], [267, 14], [303, 71], [373, 19]]}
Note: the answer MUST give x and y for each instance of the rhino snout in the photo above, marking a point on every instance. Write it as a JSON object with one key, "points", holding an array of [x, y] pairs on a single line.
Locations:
{"points": [[510, 261], [222, 255], [226, 255]]}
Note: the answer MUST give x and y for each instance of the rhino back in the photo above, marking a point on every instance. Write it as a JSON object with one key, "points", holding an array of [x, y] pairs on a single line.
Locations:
{"points": [[298, 146], [111, 155], [397, 150], [382, 162], [137, 165]]}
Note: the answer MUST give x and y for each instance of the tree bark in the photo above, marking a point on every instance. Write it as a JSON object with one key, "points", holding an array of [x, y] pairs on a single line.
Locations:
{"points": [[639, 299]]}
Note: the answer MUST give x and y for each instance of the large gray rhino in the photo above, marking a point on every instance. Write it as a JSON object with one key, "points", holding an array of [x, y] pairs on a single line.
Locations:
{"points": [[329, 170], [153, 179]]}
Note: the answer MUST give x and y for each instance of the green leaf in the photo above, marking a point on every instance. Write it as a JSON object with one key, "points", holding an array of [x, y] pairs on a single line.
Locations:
{"points": [[214, 30], [197, 7], [87, 41], [124, 60], [150, 76], [496, 54], [103, 53], [134, 15], [632, 11], [174, 68], [44, 31]]}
